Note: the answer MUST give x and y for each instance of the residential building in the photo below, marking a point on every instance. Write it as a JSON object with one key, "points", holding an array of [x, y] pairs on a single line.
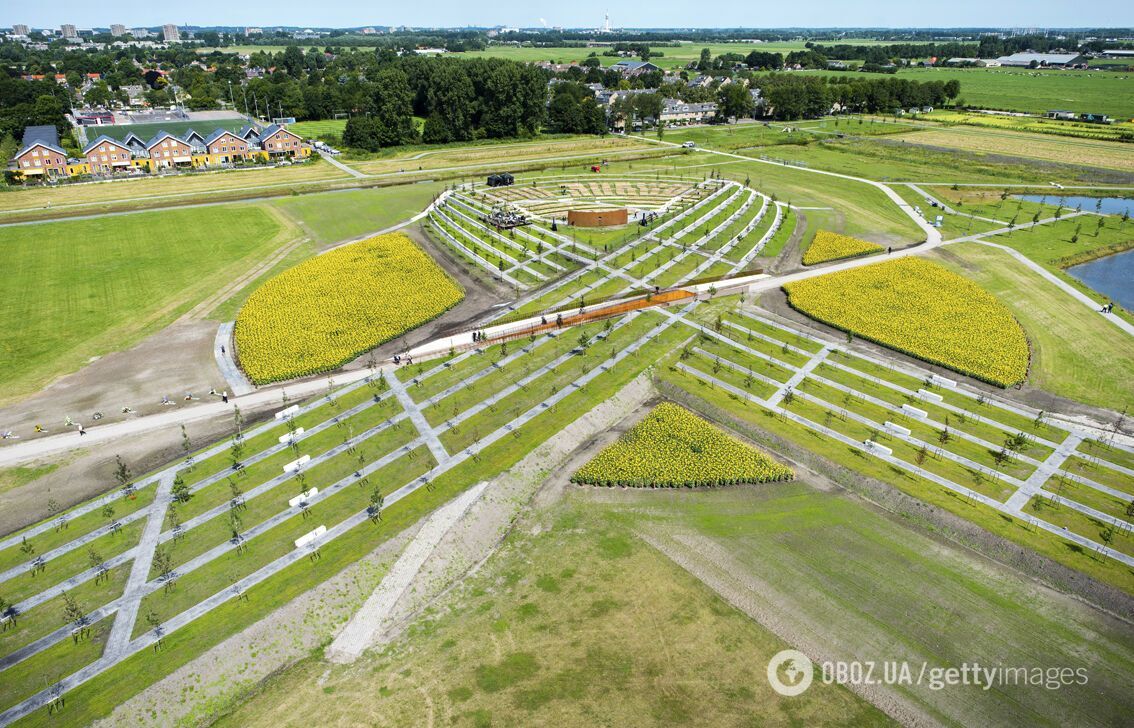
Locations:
{"points": [[278, 141], [68, 31], [166, 150], [140, 32], [40, 154], [170, 33], [253, 31], [700, 81], [630, 69], [117, 30], [226, 147], [677, 112], [105, 156], [20, 29]]}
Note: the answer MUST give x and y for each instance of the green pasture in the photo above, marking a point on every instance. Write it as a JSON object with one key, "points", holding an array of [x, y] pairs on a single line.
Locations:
{"points": [[77, 289], [1022, 89]]}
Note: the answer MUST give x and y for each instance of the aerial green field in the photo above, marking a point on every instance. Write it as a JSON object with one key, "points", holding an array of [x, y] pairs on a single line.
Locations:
{"points": [[549, 632], [1075, 353], [1032, 91], [177, 128], [79, 289], [672, 57], [331, 217], [313, 129]]}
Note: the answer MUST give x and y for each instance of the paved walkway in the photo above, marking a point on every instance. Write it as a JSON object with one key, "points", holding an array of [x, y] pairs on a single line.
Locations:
{"points": [[418, 419], [371, 619], [238, 384], [1050, 465], [349, 170], [132, 595]]}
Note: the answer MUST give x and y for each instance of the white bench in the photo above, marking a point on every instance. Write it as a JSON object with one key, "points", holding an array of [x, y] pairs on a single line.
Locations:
{"points": [[930, 396], [897, 429], [289, 436], [876, 449], [287, 412], [303, 497], [295, 464], [308, 538], [914, 411]]}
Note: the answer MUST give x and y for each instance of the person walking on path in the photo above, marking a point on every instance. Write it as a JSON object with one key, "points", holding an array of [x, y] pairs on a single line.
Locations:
{"points": [[224, 396], [82, 430]]}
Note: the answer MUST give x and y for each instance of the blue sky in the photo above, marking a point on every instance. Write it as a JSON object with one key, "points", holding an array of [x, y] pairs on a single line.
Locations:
{"points": [[579, 13]]}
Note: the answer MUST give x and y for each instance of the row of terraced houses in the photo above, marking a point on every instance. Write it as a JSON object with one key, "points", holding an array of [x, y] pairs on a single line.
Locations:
{"points": [[41, 157]]}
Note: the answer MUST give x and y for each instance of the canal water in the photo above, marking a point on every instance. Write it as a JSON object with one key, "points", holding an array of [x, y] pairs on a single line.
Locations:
{"points": [[1110, 205], [1112, 276]]}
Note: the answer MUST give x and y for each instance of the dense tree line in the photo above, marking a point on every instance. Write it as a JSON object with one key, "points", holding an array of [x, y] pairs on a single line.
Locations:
{"points": [[791, 96], [30, 103]]}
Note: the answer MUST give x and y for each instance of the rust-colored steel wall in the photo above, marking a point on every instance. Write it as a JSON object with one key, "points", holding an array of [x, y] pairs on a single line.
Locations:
{"points": [[596, 218]]}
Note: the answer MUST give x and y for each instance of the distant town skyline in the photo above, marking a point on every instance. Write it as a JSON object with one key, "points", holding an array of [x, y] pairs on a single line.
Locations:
{"points": [[581, 14]]}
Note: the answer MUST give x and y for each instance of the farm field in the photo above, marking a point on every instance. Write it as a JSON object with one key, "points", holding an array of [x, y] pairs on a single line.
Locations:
{"points": [[1075, 354], [921, 309], [1111, 155], [1119, 131], [673, 447], [896, 158], [672, 58], [328, 310], [827, 246], [1031, 91], [77, 289], [549, 632]]}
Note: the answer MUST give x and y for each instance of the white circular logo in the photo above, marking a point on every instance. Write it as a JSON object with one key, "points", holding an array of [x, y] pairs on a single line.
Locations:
{"points": [[790, 672]]}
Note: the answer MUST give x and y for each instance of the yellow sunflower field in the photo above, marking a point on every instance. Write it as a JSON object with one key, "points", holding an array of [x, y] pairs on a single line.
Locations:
{"points": [[330, 309], [833, 246], [921, 309], [673, 448]]}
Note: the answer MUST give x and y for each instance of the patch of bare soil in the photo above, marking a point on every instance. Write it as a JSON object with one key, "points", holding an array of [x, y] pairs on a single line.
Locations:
{"points": [[236, 665], [85, 473]]}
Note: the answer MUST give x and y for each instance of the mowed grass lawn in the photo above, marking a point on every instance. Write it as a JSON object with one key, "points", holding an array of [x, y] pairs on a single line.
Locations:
{"points": [[1075, 352], [324, 127], [858, 585], [1100, 92], [333, 216], [76, 289]]}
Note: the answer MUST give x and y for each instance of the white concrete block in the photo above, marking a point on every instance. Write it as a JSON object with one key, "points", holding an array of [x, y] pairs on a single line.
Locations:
{"points": [[303, 497], [284, 413], [288, 436], [942, 381], [898, 429], [876, 449], [295, 464], [914, 412], [930, 396], [307, 538]]}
